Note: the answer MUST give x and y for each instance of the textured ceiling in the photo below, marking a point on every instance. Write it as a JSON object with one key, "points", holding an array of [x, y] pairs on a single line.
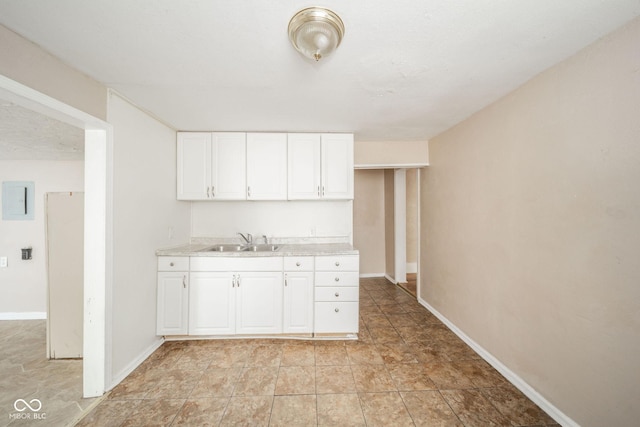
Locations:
{"points": [[27, 135], [406, 70]]}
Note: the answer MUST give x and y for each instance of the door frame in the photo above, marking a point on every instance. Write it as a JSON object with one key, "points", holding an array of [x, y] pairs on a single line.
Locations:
{"points": [[98, 258]]}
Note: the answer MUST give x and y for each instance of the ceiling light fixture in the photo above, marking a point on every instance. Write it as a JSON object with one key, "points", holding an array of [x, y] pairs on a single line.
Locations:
{"points": [[315, 32]]}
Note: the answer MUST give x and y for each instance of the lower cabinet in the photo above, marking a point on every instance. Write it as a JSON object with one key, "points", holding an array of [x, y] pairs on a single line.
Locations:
{"points": [[259, 303], [212, 302], [298, 302], [173, 303], [336, 294]]}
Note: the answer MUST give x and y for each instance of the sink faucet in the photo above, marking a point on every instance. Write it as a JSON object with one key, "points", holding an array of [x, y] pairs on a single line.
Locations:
{"points": [[248, 239]]}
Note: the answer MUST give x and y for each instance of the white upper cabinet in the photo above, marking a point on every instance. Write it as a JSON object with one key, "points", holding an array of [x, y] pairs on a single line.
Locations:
{"points": [[211, 166], [228, 172], [194, 165], [320, 166], [266, 166]]}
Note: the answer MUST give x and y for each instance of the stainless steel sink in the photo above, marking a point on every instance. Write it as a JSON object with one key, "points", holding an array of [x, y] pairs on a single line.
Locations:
{"points": [[242, 248], [262, 248], [224, 248]]}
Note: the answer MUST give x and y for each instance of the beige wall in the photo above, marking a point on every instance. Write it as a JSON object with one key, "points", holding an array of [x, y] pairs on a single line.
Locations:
{"points": [[532, 212], [368, 221], [376, 154], [28, 64], [24, 283]]}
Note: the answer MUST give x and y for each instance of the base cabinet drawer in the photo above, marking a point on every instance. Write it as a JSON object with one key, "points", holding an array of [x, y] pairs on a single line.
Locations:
{"points": [[337, 293], [336, 317]]}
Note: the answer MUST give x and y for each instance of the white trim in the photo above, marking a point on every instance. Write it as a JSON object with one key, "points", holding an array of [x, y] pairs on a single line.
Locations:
{"points": [[131, 366], [400, 224], [511, 376], [364, 276], [392, 166], [392, 280], [26, 315]]}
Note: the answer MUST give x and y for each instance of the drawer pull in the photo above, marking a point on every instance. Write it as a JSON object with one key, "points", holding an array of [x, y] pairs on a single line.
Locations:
{"points": [[184, 282], [298, 264], [171, 264], [337, 279], [337, 263], [337, 294], [337, 310]]}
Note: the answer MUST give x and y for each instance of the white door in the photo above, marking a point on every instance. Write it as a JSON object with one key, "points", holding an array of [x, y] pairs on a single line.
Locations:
{"points": [[212, 297], [303, 166], [65, 270], [194, 165], [267, 166], [259, 305], [228, 164], [337, 166], [298, 302], [173, 303]]}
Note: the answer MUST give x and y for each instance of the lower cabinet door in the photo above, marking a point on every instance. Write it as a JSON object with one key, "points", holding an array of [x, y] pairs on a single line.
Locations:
{"points": [[212, 300], [259, 303], [336, 317], [173, 303], [298, 302]]}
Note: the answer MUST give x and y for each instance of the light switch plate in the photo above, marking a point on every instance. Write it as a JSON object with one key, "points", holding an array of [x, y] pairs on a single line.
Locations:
{"points": [[3, 262]]}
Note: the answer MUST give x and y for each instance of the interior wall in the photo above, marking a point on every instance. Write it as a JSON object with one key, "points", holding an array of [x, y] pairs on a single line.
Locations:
{"points": [[146, 217], [376, 154], [412, 220], [532, 208], [389, 224], [369, 221], [275, 219], [27, 63], [23, 293]]}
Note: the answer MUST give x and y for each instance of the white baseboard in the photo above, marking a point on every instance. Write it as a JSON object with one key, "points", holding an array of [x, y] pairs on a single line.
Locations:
{"points": [[116, 379], [412, 267], [511, 376], [391, 279], [27, 315], [368, 275]]}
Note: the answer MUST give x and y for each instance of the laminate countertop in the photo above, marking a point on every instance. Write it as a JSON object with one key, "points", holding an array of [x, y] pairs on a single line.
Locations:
{"points": [[285, 249]]}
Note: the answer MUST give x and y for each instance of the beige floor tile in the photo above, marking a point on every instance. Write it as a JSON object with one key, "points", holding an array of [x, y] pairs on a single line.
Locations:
{"points": [[110, 413], [340, 410], [216, 382], [428, 408], [480, 373], [296, 380], [446, 376], [174, 384], [396, 353], [160, 412], [364, 355], [293, 411], [247, 411], [384, 409], [516, 406], [331, 355], [298, 355], [256, 381], [411, 376], [203, 412], [265, 355], [372, 378], [473, 409], [334, 379]]}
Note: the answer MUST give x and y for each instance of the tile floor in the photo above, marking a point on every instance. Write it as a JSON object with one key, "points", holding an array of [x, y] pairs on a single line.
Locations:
{"points": [[407, 368], [25, 373]]}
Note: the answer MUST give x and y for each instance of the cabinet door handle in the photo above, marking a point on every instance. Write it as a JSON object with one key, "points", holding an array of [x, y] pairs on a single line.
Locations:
{"points": [[318, 191], [213, 191], [249, 191], [208, 197], [298, 264], [337, 263], [337, 279], [238, 281], [285, 280], [184, 281], [170, 264], [233, 281], [337, 294], [337, 310], [323, 191]]}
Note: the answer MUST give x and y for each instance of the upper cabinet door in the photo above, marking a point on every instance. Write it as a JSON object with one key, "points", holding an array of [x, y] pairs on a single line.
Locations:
{"points": [[228, 170], [337, 166], [267, 166], [194, 165], [304, 166]]}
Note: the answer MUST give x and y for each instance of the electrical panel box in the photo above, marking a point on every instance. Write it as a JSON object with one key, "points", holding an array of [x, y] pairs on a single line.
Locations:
{"points": [[17, 200]]}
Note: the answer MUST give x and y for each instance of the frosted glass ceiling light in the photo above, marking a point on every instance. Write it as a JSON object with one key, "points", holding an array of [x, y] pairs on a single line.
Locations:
{"points": [[315, 32]]}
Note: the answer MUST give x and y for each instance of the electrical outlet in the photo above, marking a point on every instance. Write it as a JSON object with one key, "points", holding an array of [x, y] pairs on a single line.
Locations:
{"points": [[3, 262]]}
